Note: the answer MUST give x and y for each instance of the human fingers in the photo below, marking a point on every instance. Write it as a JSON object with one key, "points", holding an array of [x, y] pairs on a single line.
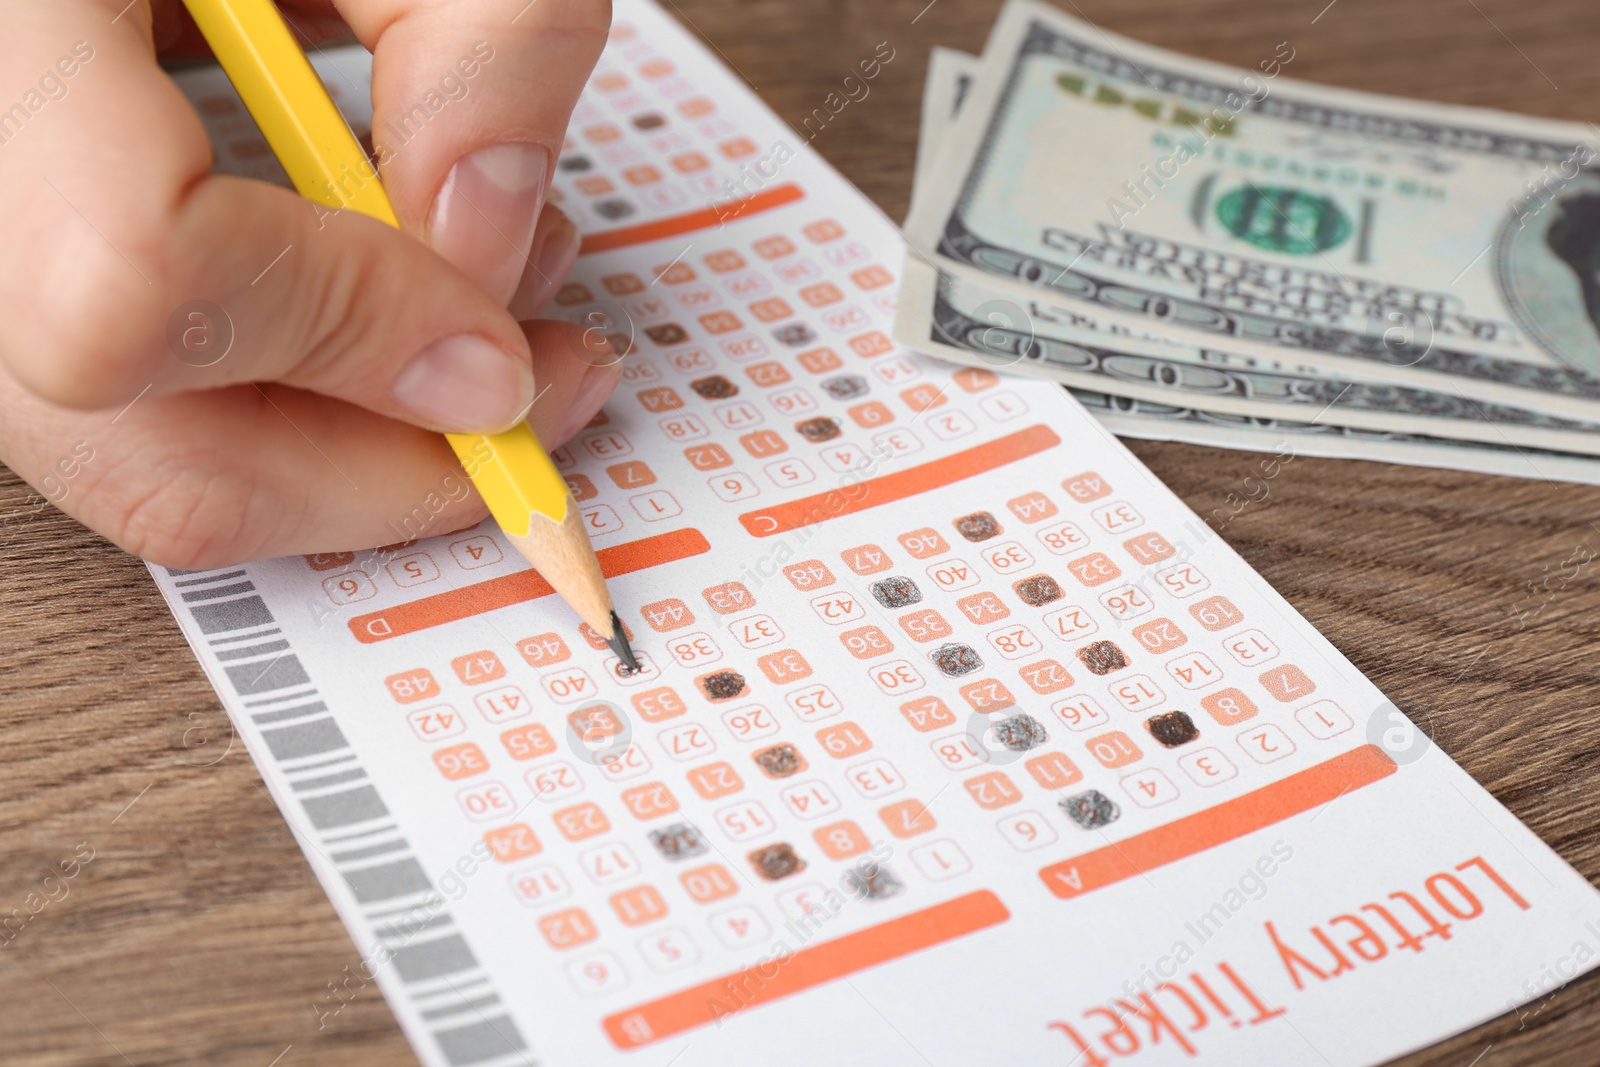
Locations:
{"points": [[116, 231]]}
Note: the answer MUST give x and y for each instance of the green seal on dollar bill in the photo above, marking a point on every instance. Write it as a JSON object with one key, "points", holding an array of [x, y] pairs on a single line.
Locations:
{"points": [[1282, 219]]}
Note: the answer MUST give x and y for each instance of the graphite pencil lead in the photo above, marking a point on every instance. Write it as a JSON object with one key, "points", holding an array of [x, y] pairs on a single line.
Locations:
{"points": [[619, 644]]}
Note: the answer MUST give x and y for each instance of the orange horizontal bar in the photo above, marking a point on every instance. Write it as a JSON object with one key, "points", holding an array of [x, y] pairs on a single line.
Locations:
{"points": [[508, 589], [808, 967], [703, 219], [1299, 792], [821, 507]]}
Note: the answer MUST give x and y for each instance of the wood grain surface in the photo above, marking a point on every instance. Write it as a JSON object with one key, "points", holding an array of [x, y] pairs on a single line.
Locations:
{"points": [[197, 934]]}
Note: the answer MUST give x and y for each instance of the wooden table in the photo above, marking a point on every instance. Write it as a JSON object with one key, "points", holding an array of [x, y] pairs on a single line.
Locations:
{"points": [[197, 934]]}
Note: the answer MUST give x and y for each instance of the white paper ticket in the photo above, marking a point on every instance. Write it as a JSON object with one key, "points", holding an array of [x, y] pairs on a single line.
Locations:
{"points": [[960, 738]]}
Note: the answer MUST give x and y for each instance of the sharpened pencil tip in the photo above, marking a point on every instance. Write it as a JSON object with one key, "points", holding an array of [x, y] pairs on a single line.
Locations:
{"points": [[619, 645]]}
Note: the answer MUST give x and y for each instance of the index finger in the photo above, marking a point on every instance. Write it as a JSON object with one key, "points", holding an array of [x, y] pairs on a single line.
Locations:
{"points": [[471, 100]]}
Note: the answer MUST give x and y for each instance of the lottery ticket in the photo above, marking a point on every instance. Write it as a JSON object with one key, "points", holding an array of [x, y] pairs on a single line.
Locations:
{"points": [[959, 738]]}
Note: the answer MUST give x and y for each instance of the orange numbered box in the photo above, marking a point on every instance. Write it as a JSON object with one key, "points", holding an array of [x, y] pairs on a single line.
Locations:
{"points": [[708, 883], [870, 414], [696, 107], [721, 322], [988, 694], [657, 705], [927, 714], [873, 277], [1149, 548], [460, 761], [544, 650], [975, 379], [822, 231], [708, 457], [1287, 683], [1054, 770], [1229, 706], [650, 801], [993, 790], [475, 668], [771, 309], [843, 740], [841, 840], [768, 374], [715, 780], [508, 844], [581, 821], [594, 723], [774, 247], [1086, 487], [724, 260], [784, 666], [871, 344], [820, 360], [568, 929], [1159, 635], [633, 474], [666, 615], [528, 742], [729, 597], [866, 642], [1032, 507], [822, 294], [809, 574], [925, 625], [924, 543], [1216, 613], [659, 399], [1114, 749], [866, 559], [677, 273], [908, 818], [922, 397], [1096, 568], [638, 905], [1046, 676], [764, 443], [408, 687]]}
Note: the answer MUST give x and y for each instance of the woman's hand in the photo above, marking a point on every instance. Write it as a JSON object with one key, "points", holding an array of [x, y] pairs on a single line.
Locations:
{"points": [[352, 343]]}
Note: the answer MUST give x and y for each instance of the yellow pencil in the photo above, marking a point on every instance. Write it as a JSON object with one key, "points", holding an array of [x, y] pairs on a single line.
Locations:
{"points": [[513, 472]]}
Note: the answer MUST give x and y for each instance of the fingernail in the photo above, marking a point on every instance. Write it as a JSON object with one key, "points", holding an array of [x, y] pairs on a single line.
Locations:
{"points": [[597, 384], [486, 214], [548, 267], [465, 383]]}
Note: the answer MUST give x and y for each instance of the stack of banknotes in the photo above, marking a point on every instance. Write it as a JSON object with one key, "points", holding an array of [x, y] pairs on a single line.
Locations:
{"points": [[1231, 257]]}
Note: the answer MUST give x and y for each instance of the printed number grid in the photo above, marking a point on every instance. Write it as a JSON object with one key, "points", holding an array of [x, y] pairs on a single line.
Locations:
{"points": [[1032, 672]]}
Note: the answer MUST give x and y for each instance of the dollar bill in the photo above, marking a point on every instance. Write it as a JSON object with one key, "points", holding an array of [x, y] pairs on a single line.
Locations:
{"points": [[944, 90], [1443, 248], [1162, 422], [969, 319]]}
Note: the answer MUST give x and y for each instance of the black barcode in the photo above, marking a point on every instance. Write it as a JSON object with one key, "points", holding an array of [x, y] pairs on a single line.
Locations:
{"points": [[349, 823]]}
